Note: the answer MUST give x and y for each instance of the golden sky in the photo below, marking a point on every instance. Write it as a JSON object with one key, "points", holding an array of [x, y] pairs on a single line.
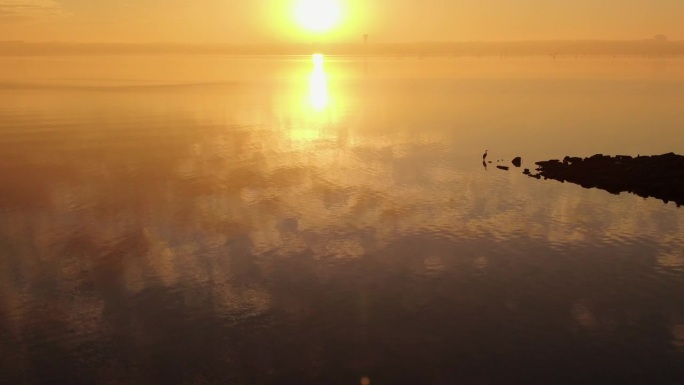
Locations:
{"points": [[263, 21]]}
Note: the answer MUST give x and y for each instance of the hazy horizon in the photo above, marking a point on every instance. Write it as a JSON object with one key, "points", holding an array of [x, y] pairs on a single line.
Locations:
{"points": [[639, 48], [399, 21], [668, 39]]}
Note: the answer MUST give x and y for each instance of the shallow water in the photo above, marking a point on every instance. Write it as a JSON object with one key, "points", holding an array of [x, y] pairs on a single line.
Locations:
{"points": [[271, 220]]}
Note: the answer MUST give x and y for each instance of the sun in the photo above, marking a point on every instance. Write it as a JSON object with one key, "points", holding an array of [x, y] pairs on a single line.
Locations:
{"points": [[318, 15]]}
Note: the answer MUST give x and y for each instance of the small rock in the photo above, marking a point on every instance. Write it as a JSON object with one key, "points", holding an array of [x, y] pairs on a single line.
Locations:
{"points": [[502, 168], [527, 171], [517, 161]]}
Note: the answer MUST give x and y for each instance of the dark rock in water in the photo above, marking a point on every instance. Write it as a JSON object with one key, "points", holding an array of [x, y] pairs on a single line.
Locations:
{"points": [[598, 157], [545, 163], [658, 176], [571, 159], [502, 168], [517, 161]]}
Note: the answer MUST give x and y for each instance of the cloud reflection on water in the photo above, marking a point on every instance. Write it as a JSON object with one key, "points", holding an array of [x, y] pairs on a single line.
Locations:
{"points": [[242, 241]]}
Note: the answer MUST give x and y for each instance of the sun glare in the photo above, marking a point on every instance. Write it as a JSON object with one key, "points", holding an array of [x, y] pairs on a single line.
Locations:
{"points": [[318, 84], [318, 15]]}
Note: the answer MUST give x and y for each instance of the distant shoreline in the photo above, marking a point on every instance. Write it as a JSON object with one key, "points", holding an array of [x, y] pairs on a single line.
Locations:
{"points": [[503, 49]]}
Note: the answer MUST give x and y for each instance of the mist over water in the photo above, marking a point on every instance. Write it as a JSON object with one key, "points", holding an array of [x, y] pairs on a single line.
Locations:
{"points": [[280, 220]]}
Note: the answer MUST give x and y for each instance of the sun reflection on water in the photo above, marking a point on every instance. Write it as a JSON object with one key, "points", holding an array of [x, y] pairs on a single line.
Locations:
{"points": [[318, 83], [317, 112]]}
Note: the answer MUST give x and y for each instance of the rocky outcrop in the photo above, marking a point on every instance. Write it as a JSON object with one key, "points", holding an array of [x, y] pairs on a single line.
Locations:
{"points": [[658, 176]]}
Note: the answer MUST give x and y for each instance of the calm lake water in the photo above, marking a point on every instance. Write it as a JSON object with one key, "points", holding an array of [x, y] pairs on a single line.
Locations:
{"points": [[214, 220]]}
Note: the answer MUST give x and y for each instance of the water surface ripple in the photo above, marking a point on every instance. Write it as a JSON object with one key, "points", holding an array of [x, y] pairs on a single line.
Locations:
{"points": [[250, 229]]}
